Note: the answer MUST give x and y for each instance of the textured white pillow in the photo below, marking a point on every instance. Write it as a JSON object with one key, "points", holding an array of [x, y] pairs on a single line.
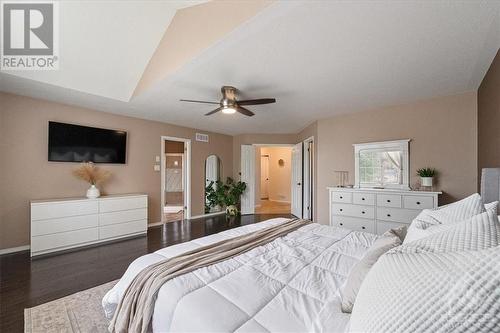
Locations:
{"points": [[449, 214], [479, 232], [430, 292], [349, 290]]}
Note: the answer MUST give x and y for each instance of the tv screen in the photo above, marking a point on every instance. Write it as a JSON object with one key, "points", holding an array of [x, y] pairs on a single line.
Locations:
{"points": [[75, 143]]}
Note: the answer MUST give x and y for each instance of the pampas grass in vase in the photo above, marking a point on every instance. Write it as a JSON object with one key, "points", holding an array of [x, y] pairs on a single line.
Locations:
{"points": [[92, 175]]}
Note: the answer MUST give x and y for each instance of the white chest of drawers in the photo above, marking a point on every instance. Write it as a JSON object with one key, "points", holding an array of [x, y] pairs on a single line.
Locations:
{"points": [[376, 211], [62, 224]]}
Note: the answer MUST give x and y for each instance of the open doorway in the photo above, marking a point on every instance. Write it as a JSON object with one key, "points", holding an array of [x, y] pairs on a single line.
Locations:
{"points": [[273, 179], [175, 179]]}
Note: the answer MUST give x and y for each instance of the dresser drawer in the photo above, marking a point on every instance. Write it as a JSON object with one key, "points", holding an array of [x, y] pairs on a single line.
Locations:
{"points": [[396, 214], [383, 226], [354, 223], [54, 210], [345, 197], [418, 202], [363, 199], [123, 216], [389, 200], [122, 229], [367, 212], [52, 226], [113, 205], [63, 239]]}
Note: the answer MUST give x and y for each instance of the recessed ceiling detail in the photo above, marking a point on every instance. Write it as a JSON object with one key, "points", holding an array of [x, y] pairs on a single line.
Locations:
{"points": [[317, 58]]}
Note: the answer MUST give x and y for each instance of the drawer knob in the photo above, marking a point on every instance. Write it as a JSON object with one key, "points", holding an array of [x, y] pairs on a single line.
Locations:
{"points": [[341, 197], [341, 223], [388, 215], [363, 228], [388, 200], [418, 202], [341, 209], [362, 212], [363, 199]]}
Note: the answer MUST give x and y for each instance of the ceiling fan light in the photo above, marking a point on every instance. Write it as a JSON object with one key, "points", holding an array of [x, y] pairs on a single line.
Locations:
{"points": [[228, 110]]}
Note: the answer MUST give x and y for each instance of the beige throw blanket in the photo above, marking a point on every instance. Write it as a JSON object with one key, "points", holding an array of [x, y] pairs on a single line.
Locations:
{"points": [[135, 310]]}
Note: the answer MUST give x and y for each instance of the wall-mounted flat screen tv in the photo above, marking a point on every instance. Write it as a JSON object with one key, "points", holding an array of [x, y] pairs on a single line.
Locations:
{"points": [[75, 143]]}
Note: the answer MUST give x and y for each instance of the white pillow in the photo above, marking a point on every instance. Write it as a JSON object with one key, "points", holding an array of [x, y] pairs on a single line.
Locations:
{"points": [[349, 290], [477, 233], [449, 214], [430, 292]]}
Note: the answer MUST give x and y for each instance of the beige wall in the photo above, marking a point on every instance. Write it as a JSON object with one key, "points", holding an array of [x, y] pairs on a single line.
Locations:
{"points": [[443, 135], [279, 188], [488, 101], [26, 174]]}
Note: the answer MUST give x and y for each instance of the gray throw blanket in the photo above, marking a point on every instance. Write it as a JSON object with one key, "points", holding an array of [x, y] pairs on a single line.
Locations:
{"points": [[135, 310]]}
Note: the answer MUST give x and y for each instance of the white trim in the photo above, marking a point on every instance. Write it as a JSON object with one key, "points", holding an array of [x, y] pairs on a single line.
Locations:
{"points": [[308, 170], [187, 174], [273, 144], [402, 145], [14, 249], [208, 215], [280, 201]]}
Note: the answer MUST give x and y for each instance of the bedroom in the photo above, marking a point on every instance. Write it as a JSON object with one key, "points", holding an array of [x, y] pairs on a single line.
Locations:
{"points": [[364, 72]]}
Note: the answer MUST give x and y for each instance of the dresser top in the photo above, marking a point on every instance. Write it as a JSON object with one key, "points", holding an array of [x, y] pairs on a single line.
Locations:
{"points": [[104, 197], [381, 191]]}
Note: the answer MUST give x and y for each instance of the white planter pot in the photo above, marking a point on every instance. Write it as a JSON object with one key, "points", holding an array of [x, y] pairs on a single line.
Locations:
{"points": [[426, 181], [93, 192]]}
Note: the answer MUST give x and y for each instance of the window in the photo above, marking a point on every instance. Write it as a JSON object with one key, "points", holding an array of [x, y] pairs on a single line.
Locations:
{"points": [[382, 164]]}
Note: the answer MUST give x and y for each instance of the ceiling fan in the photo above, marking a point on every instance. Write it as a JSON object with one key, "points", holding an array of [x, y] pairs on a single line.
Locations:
{"points": [[229, 104]]}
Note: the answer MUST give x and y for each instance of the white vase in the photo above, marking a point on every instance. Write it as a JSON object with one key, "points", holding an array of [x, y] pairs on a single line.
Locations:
{"points": [[93, 192], [426, 181]]}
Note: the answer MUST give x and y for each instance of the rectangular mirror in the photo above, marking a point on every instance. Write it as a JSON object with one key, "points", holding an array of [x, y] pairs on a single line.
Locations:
{"points": [[382, 165]]}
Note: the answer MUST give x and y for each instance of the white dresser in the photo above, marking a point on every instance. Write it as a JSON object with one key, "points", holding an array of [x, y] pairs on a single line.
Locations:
{"points": [[62, 224], [377, 211]]}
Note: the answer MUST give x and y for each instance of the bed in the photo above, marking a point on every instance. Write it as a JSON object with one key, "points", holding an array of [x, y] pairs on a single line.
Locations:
{"points": [[442, 275], [290, 284]]}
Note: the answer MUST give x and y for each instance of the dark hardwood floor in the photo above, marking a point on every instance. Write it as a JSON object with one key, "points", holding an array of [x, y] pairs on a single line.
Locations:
{"points": [[26, 283]]}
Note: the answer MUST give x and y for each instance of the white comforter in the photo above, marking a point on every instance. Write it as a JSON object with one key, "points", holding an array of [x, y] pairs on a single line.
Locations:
{"points": [[288, 285]]}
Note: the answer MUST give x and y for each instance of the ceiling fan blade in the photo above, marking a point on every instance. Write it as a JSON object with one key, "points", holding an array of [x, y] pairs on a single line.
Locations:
{"points": [[244, 111], [193, 101], [214, 111], [257, 101]]}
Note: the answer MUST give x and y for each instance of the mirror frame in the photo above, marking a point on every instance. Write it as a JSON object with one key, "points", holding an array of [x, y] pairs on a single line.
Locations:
{"points": [[205, 180], [399, 145]]}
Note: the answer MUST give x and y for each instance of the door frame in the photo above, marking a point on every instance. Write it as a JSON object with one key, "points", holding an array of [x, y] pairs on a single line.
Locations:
{"points": [[254, 178], [309, 187], [186, 174]]}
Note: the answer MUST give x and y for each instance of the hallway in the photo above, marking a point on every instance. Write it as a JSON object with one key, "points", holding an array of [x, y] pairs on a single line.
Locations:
{"points": [[272, 207]]}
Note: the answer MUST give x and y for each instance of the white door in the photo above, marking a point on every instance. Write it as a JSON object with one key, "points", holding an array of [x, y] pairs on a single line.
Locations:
{"points": [[296, 206], [264, 177], [248, 176]]}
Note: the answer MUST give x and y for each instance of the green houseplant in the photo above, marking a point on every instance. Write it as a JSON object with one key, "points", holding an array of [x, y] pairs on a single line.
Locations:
{"points": [[224, 194], [426, 176]]}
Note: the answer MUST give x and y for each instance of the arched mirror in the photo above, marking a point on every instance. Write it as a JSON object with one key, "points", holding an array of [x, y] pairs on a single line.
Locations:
{"points": [[213, 172]]}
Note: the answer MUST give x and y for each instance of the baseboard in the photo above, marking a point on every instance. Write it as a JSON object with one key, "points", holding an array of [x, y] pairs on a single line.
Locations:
{"points": [[207, 215], [155, 224], [14, 249]]}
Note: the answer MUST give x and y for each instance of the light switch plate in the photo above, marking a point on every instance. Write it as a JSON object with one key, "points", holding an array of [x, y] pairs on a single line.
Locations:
{"points": [[157, 167], [157, 158]]}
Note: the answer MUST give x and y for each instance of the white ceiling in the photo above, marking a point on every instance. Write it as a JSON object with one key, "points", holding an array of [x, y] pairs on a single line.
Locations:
{"points": [[319, 59], [105, 46]]}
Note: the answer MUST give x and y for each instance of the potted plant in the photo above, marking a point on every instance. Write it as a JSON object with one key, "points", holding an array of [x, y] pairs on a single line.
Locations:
{"points": [[92, 175], [426, 176], [226, 194]]}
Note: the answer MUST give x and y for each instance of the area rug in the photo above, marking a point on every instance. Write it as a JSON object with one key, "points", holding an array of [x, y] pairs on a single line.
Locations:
{"points": [[80, 312]]}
